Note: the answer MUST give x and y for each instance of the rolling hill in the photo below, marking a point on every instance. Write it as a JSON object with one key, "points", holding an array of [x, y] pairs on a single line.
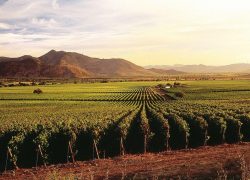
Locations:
{"points": [[61, 64]]}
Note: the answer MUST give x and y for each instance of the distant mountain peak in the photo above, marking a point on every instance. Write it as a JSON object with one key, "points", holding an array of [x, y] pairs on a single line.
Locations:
{"points": [[25, 57], [52, 51]]}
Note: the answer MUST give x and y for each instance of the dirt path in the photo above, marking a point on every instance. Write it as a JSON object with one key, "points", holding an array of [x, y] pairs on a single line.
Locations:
{"points": [[203, 163]]}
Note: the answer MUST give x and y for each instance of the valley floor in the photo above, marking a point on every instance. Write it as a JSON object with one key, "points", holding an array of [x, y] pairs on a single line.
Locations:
{"points": [[218, 162]]}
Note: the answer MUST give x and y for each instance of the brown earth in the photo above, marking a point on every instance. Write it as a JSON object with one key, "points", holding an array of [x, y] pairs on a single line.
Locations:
{"points": [[223, 161]]}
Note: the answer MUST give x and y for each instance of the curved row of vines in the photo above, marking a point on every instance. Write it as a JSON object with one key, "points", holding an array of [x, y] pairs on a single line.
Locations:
{"points": [[133, 122]]}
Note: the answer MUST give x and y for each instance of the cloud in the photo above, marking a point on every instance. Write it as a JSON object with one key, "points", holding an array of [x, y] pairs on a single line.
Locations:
{"points": [[55, 4], [4, 26], [43, 22], [3, 2]]}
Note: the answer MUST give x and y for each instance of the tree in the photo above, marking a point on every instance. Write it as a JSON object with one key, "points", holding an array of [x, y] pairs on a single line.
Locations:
{"points": [[37, 91]]}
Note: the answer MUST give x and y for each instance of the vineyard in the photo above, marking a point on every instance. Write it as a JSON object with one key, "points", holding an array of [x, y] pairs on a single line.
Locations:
{"points": [[77, 122]]}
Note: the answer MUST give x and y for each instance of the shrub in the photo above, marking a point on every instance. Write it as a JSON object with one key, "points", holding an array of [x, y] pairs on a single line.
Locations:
{"points": [[233, 131], [42, 83], [216, 129], [104, 81], [33, 84], [37, 91], [160, 86], [23, 84], [198, 129], [245, 128], [179, 131], [179, 94], [11, 85]]}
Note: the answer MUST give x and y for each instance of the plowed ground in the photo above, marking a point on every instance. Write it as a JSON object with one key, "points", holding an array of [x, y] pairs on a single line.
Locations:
{"points": [[223, 161]]}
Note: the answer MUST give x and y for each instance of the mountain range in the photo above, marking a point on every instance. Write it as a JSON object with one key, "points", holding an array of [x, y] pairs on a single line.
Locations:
{"points": [[232, 68], [61, 64], [166, 71]]}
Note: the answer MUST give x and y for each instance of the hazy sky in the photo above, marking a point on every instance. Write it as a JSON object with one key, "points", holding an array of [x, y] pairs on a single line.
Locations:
{"points": [[142, 31]]}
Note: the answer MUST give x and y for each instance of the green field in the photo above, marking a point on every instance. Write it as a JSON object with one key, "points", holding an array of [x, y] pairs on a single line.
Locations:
{"points": [[110, 119]]}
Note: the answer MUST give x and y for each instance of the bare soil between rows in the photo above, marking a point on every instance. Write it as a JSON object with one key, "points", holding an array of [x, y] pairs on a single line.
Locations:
{"points": [[223, 161]]}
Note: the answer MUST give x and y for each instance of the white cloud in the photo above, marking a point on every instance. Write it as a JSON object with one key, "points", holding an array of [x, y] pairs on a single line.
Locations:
{"points": [[5, 26], [44, 22], [55, 4]]}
